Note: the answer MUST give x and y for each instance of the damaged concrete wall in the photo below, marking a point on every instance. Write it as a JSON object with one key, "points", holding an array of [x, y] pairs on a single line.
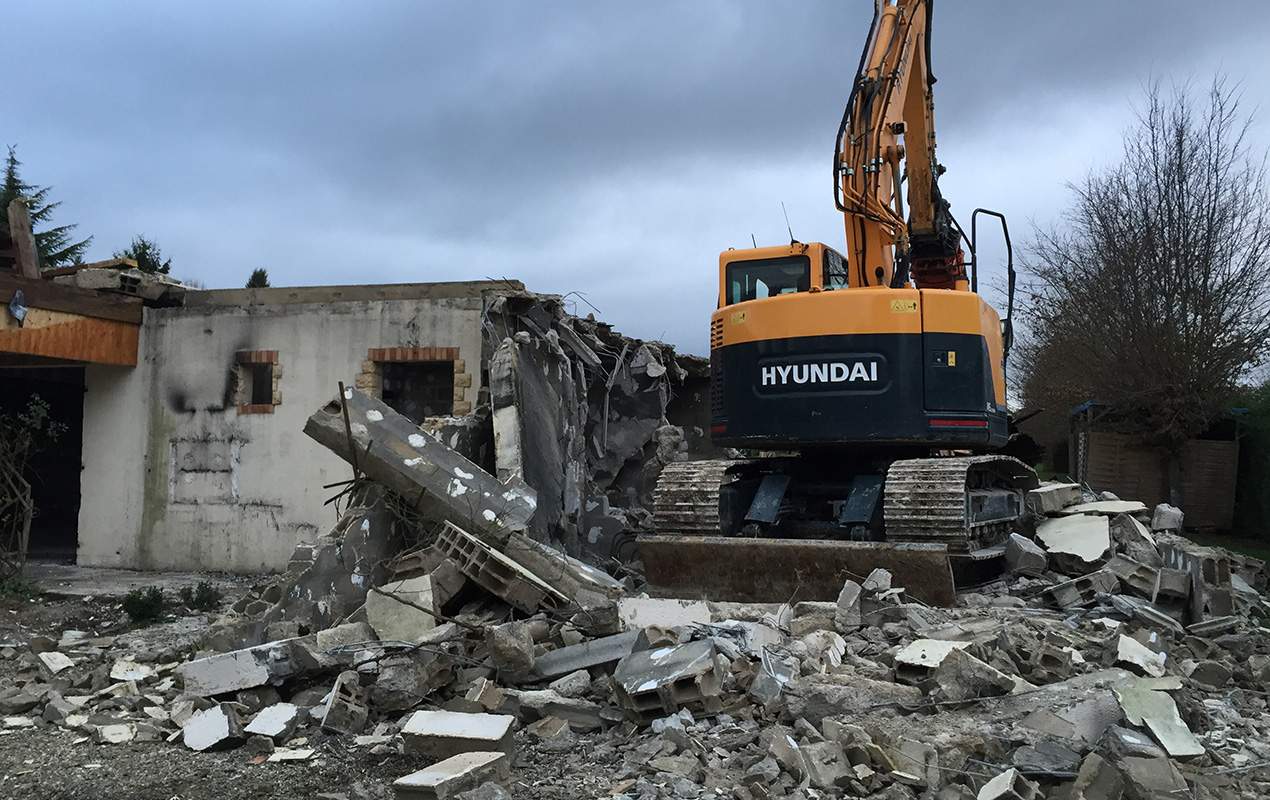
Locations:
{"points": [[179, 473], [587, 417]]}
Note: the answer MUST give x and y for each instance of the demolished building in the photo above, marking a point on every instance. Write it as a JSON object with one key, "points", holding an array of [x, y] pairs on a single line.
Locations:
{"points": [[187, 407]]}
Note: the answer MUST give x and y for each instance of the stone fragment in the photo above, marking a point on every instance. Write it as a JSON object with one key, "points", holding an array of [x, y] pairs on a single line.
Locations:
{"points": [[1138, 657], [119, 733], [961, 676], [1106, 508], [486, 791], [1210, 674], [54, 662], [396, 621], [1024, 557], [345, 711], [1009, 785], [917, 661], [215, 728], [291, 754], [575, 684], [441, 734], [485, 694], [407, 678], [511, 646], [125, 670], [1150, 778], [1047, 759], [1134, 540], [825, 764], [1167, 518], [446, 779], [18, 701], [847, 616], [640, 612], [277, 721], [1097, 780], [1158, 712], [548, 728]]}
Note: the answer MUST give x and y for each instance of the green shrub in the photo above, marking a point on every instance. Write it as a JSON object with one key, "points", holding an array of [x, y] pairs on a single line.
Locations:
{"points": [[144, 605], [203, 597]]}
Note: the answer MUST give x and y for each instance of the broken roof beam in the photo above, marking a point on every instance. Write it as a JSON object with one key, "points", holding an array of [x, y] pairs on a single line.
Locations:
{"points": [[438, 482]]}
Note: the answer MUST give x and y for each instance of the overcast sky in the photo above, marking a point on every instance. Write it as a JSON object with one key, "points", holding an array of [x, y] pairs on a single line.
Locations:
{"points": [[601, 148]]}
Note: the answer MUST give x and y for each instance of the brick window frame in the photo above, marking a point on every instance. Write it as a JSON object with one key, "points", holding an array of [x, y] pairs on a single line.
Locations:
{"points": [[371, 377], [245, 360]]}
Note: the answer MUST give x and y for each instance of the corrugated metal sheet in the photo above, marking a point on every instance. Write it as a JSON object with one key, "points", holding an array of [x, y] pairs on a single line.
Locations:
{"points": [[1134, 471]]}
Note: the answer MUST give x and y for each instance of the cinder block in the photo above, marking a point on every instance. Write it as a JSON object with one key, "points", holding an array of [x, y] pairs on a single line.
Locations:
{"points": [[441, 734]]}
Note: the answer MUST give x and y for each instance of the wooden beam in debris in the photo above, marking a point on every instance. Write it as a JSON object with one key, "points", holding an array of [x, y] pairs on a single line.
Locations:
{"points": [[437, 481], [56, 297], [27, 257]]}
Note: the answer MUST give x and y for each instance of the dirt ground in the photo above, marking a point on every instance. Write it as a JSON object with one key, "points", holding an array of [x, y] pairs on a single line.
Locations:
{"points": [[51, 763]]}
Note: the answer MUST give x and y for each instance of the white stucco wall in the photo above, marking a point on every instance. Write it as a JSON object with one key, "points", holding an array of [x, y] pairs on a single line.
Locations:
{"points": [[175, 478]]}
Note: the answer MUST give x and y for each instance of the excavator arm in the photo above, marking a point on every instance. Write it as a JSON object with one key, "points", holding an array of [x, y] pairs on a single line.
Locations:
{"points": [[887, 139]]}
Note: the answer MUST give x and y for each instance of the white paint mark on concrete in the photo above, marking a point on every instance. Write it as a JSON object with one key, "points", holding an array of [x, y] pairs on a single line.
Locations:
{"points": [[457, 488], [374, 416], [464, 475], [413, 462], [416, 440], [489, 515], [348, 394], [359, 429]]}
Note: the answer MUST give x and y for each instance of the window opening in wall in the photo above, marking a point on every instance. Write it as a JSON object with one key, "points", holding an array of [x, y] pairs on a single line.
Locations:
{"points": [[419, 389], [259, 383]]}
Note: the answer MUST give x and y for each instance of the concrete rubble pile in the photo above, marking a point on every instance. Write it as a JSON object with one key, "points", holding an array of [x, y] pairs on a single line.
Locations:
{"points": [[1116, 659]]}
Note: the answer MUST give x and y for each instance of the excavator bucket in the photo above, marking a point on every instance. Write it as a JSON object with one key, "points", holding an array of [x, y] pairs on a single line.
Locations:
{"points": [[788, 570]]}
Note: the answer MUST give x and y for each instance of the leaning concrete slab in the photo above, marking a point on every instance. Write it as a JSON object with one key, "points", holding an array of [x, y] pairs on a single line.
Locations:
{"points": [[441, 734], [215, 728], [277, 721], [653, 683], [439, 482], [238, 670], [494, 571], [394, 620]]}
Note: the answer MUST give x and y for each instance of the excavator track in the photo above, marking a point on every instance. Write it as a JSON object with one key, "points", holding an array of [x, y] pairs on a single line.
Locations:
{"points": [[686, 500], [966, 503]]}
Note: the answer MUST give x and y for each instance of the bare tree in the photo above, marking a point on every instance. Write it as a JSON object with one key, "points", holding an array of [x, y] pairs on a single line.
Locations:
{"points": [[1153, 295]]}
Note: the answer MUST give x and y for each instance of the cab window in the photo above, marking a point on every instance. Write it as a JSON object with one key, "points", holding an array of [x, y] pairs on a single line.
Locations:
{"points": [[835, 276], [754, 280]]}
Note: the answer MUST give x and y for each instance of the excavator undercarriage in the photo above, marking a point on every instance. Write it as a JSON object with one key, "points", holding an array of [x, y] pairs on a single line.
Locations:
{"points": [[782, 521]]}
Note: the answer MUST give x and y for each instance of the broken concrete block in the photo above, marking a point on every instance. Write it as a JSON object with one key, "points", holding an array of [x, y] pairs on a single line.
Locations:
{"points": [[1139, 658], [1046, 759], [1167, 518], [1009, 785], [395, 621], [847, 617], [498, 573], [216, 728], [1076, 544], [584, 655], [1084, 590], [582, 715], [441, 734], [825, 764], [126, 670], [652, 683], [916, 662], [446, 779], [277, 721], [345, 711], [54, 662], [1137, 577], [1107, 508], [1024, 557], [773, 675], [391, 450], [1050, 497], [239, 669], [291, 754]]}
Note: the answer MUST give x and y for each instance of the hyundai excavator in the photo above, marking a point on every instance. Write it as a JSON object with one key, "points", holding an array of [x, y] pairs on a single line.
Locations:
{"points": [[868, 385]]}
